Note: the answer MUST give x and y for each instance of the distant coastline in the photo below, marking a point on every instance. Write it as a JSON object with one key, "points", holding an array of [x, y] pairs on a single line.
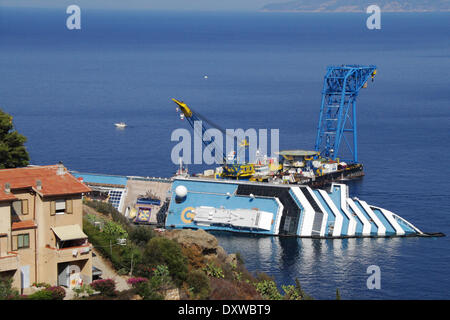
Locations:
{"points": [[353, 6], [354, 11]]}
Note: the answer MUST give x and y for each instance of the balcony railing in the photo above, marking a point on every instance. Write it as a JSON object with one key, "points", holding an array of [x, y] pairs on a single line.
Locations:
{"points": [[73, 253]]}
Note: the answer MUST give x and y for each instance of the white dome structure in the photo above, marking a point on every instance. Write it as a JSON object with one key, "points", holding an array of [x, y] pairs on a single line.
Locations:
{"points": [[181, 191]]}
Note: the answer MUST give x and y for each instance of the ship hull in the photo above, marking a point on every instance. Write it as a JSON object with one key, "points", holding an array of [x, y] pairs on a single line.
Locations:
{"points": [[280, 210]]}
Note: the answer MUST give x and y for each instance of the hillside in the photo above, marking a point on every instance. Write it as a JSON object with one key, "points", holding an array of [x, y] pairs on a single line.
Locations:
{"points": [[360, 6]]}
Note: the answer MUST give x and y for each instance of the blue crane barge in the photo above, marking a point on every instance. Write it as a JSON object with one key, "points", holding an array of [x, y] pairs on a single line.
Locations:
{"points": [[335, 156]]}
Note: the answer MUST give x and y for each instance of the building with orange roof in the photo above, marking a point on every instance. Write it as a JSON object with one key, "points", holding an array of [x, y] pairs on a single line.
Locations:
{"points": [[41, 237]]}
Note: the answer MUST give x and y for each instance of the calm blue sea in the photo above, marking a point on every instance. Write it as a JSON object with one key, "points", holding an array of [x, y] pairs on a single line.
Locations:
{"points": [[65, 90]]}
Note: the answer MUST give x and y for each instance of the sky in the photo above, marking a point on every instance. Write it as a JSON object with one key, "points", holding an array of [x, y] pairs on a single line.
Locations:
{"points": [[244, 5]]}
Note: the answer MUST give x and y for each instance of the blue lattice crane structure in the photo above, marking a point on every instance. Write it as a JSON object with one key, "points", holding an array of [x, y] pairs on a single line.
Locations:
{"points": [[337, 120]]}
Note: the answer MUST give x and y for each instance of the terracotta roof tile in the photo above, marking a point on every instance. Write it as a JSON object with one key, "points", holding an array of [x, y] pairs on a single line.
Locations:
{"points": [[6, 196], [52, 183], [26, 224]]}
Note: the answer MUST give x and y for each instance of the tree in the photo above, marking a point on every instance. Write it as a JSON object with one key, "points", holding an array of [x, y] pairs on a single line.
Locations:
{"points": [[13, 153]]}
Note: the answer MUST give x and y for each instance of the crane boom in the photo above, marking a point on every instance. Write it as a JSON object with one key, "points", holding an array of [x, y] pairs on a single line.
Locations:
{"points": [[230, 170]]}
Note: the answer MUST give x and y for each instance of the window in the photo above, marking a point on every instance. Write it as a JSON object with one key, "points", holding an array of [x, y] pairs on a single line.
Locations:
{"points": [[21, 241], [61, 206]]}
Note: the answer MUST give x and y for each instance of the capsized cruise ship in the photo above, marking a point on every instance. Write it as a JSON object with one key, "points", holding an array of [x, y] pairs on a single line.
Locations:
{"points": [[270, 209]]}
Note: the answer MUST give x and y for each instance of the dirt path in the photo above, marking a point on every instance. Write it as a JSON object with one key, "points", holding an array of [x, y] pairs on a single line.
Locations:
{"points": [[108, 271]]}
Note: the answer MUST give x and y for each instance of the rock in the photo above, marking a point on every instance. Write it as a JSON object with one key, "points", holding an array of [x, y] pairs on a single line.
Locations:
{"points": [[231, 259], [206, 242], [172, 294]]}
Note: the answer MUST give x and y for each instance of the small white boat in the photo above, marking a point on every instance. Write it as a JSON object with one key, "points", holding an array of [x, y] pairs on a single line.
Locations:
{"points": [[120, 125]]}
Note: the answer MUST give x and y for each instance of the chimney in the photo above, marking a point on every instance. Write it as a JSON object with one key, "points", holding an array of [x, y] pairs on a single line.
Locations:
{"points": [[7, 187], [39, 185], [60, 171]]}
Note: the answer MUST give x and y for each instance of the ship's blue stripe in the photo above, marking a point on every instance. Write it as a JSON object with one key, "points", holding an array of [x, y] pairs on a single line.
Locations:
{"points": [[405, 226], [389, 229], [359, 224], [374, 229], [336, 198], [331, 217]]}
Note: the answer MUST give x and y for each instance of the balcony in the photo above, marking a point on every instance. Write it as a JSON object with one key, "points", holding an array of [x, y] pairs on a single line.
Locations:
{"points": [[9, 262], [73, 253]]}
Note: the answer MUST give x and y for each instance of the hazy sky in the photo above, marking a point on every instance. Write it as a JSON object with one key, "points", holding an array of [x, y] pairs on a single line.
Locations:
{"points": [[146, 4]]}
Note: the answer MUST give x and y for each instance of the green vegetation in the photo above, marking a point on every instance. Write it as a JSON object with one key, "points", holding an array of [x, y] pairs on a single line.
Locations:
{"points": [[164, 251], [85, 289], [198, 284], [268, 290], [6, 289], [13, 153], [214, 271], [106, 287], [158, 265], [46, 293]]}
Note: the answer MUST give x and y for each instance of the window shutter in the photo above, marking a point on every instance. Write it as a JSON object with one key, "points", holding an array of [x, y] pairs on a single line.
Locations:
{"points": [[25, 206], [69, 206], [52, 208]]}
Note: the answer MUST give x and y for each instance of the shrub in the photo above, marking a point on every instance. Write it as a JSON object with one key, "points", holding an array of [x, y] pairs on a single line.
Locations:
{"points": [[106, 287], [162, 251], [100, 206], [84, 289], [41, 284], [41, 295], [297, 292], [196, 259], [222, 289], [134, 282], [6, 290], [148, 292], [57, 292], [213, 271], [114, 230], [239, 258], [268, 290], [140, 235], [199, 283]]}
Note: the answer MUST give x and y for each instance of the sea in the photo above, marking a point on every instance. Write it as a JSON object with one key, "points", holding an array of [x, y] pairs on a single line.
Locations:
{"points": [[66, 88]]}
